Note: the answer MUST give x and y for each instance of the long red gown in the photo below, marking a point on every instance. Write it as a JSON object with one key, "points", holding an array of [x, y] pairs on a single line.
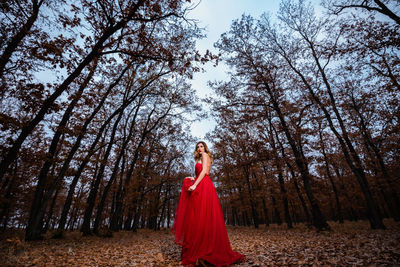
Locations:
{"points": [[199, 225]]}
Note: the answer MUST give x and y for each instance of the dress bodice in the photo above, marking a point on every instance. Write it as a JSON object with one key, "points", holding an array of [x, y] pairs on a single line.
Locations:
{"points": [[198, 168]]}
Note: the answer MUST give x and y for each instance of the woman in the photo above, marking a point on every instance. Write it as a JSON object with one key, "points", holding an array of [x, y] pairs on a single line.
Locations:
{"points": [[199, 224]]}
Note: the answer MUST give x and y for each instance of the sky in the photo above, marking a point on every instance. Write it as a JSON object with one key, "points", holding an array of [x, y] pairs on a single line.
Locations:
{"points": [[216, 17]]}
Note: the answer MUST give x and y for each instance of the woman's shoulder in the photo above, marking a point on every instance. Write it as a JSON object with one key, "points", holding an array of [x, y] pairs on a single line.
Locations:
{"points": [[205, 155]]}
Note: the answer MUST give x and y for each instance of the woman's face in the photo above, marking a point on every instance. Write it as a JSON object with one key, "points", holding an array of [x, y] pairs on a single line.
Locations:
{"points": [[200, 148]]}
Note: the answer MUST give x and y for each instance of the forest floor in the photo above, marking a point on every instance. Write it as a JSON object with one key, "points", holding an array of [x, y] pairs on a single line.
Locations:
{"points": [[348, 244]]}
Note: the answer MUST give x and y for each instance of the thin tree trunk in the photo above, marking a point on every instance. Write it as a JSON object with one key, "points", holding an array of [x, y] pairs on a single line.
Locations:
{"points": [[243, 208], [154, 210], [288, 219], [280, 176], [126, 141], [328, 173], [169, 213], [73, 184], [294, 213], [350, 154], [8, 187], [73, 218], [93, 191], [251, 197], [294, 178], [40, 200], [353, 215], [51, 211], [121, 193], [163, 207], [395, 208], [92, 147], [266, 216], [17, 38], [276, 217], [100, 206], [318, 219], [138, 210]]}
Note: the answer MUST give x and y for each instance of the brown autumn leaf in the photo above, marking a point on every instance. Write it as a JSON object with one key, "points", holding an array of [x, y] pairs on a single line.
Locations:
{"points": [[350, 244]]}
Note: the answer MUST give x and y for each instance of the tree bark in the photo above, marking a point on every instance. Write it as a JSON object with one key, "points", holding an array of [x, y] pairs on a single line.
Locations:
{"points": [[125, 143], [328, 173], [40, 200], [251, 196], [51, 211], [278, 165], [266, 216], [288, 219], [276, 217], [318, 219], [344, 140], [17, 38], [395, 208], [95, 186], [121, 193]]}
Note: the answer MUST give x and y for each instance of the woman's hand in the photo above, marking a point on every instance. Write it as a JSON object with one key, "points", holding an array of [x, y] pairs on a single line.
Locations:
{"points": [[191, 178], [192, 188]]}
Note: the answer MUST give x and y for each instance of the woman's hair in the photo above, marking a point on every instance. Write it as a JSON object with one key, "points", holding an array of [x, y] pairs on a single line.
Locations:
{"points": [[197, 155]]}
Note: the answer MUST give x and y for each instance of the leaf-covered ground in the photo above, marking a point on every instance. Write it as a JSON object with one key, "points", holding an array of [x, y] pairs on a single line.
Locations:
{"points": [[351, 244]]}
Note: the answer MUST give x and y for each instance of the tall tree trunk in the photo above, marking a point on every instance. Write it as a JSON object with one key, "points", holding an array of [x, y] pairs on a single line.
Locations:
{"points": [[267, 220], [351, 156], [294, 178], [51, 211], [114, 221], [278, 165], [276, 217], [163, 208], [353, 214], [251, 197], [8, 188], [121, 193], [128, 220], [328, 173], [74, 182], [138, 211], [121, 153], [40, 200], [395, 207], [302, 201], [74, 214], [92, 148], [100, 206], [244, 221], [318, 219], [95, 186], [169, 213], [294, 213], [154, 209], [17, 38], [125, 143], [288, 219], [265, 209]]}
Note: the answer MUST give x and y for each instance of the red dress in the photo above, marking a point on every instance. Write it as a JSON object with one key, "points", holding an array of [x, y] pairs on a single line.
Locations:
{"points": [[199, 225]]}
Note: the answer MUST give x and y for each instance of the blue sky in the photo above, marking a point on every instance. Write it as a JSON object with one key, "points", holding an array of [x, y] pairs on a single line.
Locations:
{"points": [[216, 16]]}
